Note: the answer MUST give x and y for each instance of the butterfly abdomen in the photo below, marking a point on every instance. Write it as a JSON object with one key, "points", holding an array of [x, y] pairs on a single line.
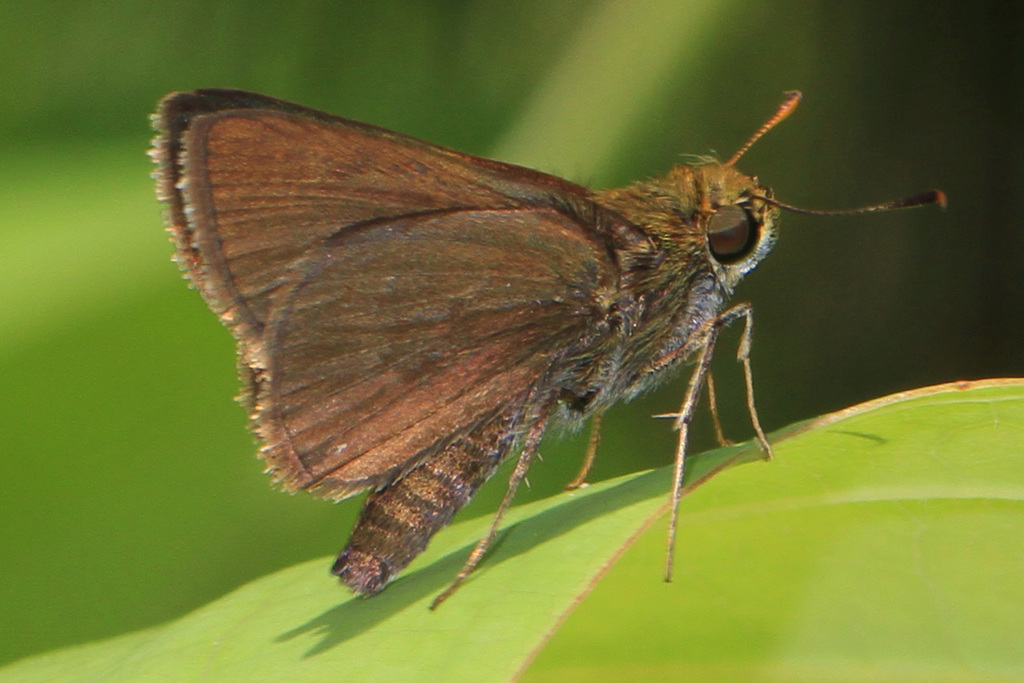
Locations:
{"points": [[398, 521]]}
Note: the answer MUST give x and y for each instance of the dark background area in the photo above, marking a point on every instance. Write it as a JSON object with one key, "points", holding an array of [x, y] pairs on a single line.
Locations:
{"points": [[130, 492]]}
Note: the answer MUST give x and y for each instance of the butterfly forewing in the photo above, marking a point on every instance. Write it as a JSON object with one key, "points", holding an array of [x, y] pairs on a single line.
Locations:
{"points": [[389, 296], [254, 182]]}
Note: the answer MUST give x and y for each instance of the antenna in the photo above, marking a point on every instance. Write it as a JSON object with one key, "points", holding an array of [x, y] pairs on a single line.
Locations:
{"points": [[920, 199], [787, 107]]}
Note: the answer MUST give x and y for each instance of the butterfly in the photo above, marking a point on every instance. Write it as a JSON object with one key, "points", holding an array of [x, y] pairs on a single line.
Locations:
{"points": [[409, 317]]}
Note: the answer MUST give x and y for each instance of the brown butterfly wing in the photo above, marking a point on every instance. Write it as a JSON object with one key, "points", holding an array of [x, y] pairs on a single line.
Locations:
{"points": [[402, 337], [253, 182], [388, 295]]}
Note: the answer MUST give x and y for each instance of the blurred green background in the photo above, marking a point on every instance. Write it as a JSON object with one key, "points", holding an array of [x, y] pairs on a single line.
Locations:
{"points": [[131, 493]]}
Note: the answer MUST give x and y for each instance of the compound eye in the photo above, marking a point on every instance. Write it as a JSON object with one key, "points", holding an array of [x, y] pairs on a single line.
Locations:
{"points": [[732, 234]]}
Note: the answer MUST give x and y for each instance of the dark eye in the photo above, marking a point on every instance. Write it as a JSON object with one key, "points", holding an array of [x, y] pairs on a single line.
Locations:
{"points": [[732, 234]]}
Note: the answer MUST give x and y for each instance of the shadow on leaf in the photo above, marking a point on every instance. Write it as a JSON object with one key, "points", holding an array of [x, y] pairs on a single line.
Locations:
{"points": [[356, 615]]}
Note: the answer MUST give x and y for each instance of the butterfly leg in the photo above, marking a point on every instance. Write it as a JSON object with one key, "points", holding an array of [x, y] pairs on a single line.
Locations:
{"points": [[743, 356], [588, 460], [683, 419], [716, 421], [685, 416], [531, 442]]}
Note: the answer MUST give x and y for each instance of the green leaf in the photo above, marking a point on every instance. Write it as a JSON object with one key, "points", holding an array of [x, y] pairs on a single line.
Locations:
{"points": [[882, 543]]}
